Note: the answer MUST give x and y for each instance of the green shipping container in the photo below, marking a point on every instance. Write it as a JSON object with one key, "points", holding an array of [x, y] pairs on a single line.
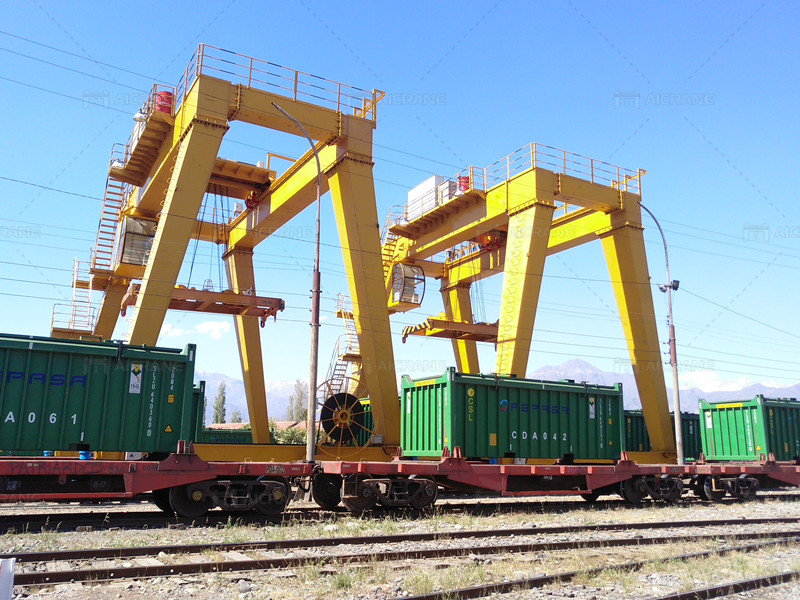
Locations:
{"points": [[745, 430], [364, 434], [502, 417], [638, 440], [203, 435], [74, 395]]}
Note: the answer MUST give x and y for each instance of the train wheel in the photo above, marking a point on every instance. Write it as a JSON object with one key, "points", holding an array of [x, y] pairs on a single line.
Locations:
{"points": [[326, 490], [591, 497], [426, 494], [161, 500], [711, 494], [189, 501], [364, 498], [632, 490], [272, 503]]}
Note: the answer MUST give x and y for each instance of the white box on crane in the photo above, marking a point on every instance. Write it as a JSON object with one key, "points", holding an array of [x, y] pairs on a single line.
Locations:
{"points": [[423, 198]]}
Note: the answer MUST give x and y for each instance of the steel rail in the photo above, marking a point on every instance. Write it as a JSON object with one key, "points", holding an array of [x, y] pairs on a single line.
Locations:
{"points": [[101, 553], [746, 585], [113, 573], [537, 582], [120, 518]]}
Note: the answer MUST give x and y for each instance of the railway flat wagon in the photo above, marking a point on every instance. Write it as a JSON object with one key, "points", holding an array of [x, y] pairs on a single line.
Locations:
{"points": [[746, 430], [638, 440], [491, 417], [62, 395]]}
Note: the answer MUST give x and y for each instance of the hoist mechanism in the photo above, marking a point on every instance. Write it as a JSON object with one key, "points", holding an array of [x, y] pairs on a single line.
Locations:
{"points": [[508, 218], [154, 194]]}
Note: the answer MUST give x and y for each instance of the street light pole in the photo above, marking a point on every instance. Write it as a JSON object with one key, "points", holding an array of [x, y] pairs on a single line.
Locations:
{"points": [[311, 441], [673, 354]]}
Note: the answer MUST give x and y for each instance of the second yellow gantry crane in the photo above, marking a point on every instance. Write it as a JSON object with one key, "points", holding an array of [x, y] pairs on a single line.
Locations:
{"points": [[508, 218]]}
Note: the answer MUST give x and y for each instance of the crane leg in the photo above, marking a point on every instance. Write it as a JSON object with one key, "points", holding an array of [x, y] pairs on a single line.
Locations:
{"points": [[627, 265], [526, 249], [458, 307], [193, 166], [239, 265], [109, 310], [353, 194]]}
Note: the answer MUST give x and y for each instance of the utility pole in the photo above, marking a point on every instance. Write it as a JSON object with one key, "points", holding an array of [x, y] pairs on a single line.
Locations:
{"points": [[673, 354], [311, 425]]}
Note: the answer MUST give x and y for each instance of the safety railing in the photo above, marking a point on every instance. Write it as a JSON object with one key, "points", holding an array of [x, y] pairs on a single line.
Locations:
{"points": [[275, 78], [161, 99], [73, 318], [560, 161], [528, 157]]}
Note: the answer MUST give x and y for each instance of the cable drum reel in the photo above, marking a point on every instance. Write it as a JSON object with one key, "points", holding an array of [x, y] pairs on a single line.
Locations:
{"points": [[344, 419]]}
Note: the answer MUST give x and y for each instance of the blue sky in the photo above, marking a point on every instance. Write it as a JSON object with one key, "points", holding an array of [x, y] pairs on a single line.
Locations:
{"points": [[702, 96]]}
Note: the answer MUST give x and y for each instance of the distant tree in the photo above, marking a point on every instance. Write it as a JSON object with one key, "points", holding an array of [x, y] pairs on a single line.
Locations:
{"points": [[219, 404], [236, 417], [298, 402]]}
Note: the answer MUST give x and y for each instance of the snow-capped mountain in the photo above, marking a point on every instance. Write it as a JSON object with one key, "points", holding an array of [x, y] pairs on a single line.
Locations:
{"points": [[277, 395], [578, 370], [713, 390]]}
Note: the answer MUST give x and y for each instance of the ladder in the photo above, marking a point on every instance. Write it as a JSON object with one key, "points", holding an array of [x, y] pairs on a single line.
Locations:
{"points": [[388, 244], [81, 317], [347, 351], [115, 197]]}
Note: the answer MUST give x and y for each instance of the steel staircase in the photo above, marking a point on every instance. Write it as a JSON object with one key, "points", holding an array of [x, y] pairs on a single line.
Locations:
{"points": [[347, 351], [103, 255]]}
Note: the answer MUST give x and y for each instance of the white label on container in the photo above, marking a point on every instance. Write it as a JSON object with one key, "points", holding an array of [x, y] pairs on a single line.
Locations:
{"points": [[135, 385], [591, 408]]}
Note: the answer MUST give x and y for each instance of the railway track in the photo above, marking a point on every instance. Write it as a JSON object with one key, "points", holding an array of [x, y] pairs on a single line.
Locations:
{"points": [[116, 516], [47, 568], [712, 592]]}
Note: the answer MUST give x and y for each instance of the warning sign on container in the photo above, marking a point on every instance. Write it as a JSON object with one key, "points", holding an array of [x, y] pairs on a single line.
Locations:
{"points": [[135, 386], [168, 429]]}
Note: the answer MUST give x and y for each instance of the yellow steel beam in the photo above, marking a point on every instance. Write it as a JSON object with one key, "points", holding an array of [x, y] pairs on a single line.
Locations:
{"points": [[475, 267], [567, 232], [627, 265], [512, 195], [353, 195], [295, 190], [528, 233], [458, 307], [197, 153], [239, 265], [254, 106], [109, 309]]}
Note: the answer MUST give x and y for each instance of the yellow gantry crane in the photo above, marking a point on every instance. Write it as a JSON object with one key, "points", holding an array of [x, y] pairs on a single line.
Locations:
{"points": [[508, 218], [155, 190], [505, 218]]}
